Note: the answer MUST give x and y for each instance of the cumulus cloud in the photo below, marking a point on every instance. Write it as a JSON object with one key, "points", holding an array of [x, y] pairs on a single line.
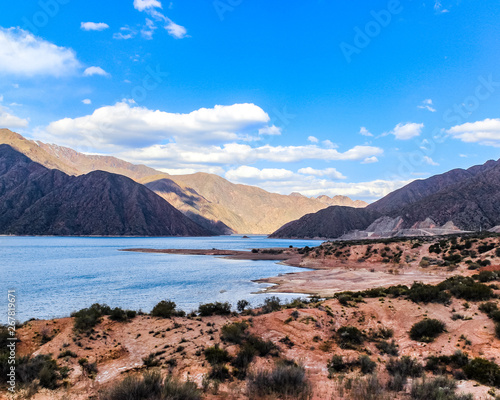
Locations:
{"points": [[142, 5], [87, 101], [365, 132], [93, 26], [407, 131], [427, 105], [285, 182], [370, 160], [125, 125], [9, 120], [313, 139], [272, 130], [240, 154], [91, 71], [22, 54], [327, 172], [486, 132]]}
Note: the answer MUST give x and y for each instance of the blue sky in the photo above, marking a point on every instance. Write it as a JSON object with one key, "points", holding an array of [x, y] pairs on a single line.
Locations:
{"points": [[321, 97]]}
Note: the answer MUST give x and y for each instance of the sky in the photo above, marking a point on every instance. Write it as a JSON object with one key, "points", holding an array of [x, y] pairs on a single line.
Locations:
{"points": [[335, 97]]}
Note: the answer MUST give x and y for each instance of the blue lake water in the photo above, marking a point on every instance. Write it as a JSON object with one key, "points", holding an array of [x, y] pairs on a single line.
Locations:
{"points": [[53, 276]]}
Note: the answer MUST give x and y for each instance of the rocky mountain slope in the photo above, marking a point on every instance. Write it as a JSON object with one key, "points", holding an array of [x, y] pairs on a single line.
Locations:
{"points": [[457, 200], [35, 200], [208, 199]]}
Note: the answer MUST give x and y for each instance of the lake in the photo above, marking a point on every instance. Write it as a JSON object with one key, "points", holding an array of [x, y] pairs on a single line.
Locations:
{"points": [[53, 276]]}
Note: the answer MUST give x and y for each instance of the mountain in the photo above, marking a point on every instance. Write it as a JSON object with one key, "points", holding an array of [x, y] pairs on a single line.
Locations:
{"points": [[328, 223], [208, 199], [456, 200], [341, 201], [35, 200]]}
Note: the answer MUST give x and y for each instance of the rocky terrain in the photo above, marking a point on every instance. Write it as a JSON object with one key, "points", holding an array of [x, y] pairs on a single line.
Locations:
{"points": [[459, 200], [35, 200], [398, 342], [208, 199]]}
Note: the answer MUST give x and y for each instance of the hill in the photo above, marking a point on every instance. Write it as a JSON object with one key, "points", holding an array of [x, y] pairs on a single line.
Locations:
{"points": [[35, 200]]}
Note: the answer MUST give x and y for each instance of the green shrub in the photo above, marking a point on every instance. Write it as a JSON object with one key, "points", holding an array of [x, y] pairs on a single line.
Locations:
{"points": [[263, 347], [271, 304], [217, 308], [150, 361], [151, 387], [215, 355], [483, 371], [366, 365], [427, 330], [285, 380], [166, 309], [406, 367], [466, 288], [497, 330], [337, 364], [242, 305], [67, 353], [350, 337], [440, 388], [488, 307], [120, 315], [422, 293], [87, 318], [235, 332], [385, 347], [243, 359], [487, 276]]}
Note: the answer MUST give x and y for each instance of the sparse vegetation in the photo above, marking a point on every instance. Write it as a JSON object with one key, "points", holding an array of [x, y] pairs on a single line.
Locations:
{"points": [[217, 308]]}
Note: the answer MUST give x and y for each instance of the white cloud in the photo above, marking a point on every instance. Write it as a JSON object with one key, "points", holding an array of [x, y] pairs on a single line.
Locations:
{"points": [[486, 132], [313, 139], [407, 131], [285, 182], [234, 153], [272, 130], [142, 5], [87, 101], [150, 7], [370, 160], [327, 172], [125, 33], [91, 71], [427, 105], [125, 125], [22, 54], [8, 120], [329, 144], [430, 161], [365, 132], [1, 98], [94, 26]]}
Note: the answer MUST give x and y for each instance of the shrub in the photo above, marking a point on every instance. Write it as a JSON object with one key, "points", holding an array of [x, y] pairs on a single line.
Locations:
{"points": [[216, 356], [422, 293], [87, 318], [350, 337], [271, 304], [466, 288], [440, 388], [242, 305], [487, 276], [284, 380], [366, 365], [166, 309], [120, 315], [150, 361], [488, 307], [217, 308], [243, 359], [427, 330], [151, 387], [67, 353], [369, 388], [385, 347], [497, 330], [263, 347], [30, 368], [405, 367], [483, 371], [235, 332]]}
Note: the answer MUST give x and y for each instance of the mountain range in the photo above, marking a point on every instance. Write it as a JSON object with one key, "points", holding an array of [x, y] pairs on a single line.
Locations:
{"points": [[456, 200], [35, 200], [210, 200]]}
